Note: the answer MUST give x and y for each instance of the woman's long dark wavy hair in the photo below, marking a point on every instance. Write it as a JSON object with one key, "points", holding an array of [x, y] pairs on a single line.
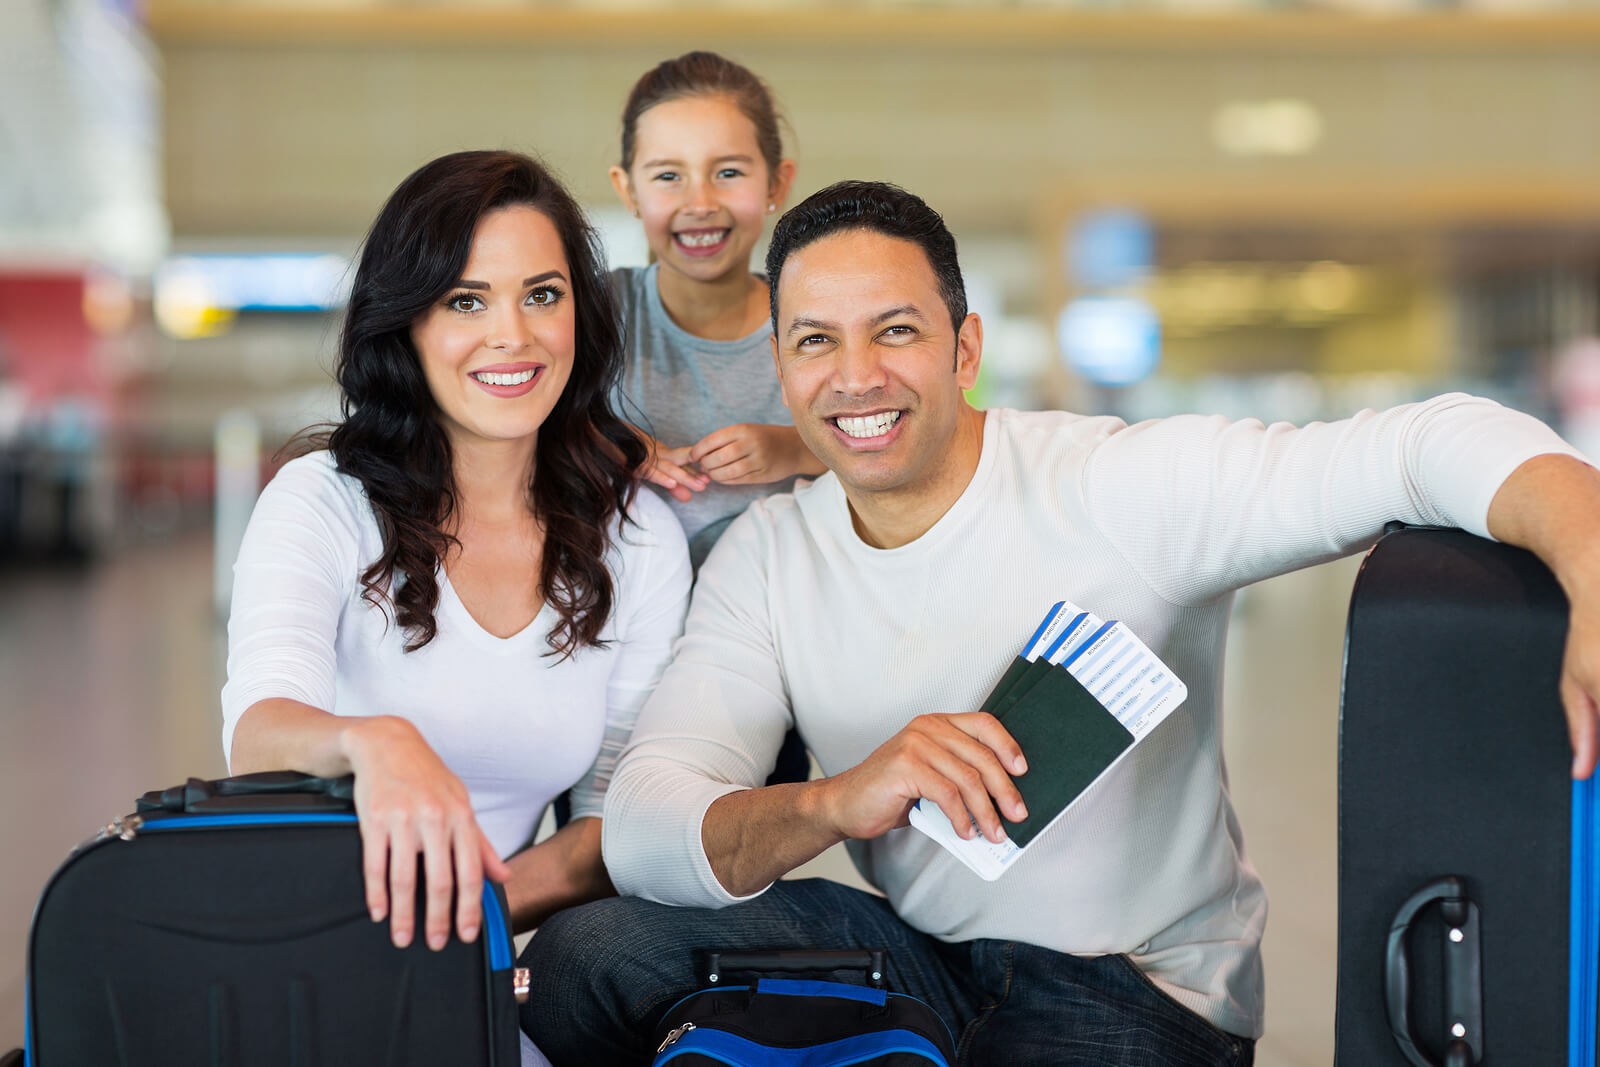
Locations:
{"points": [[391, 439]]}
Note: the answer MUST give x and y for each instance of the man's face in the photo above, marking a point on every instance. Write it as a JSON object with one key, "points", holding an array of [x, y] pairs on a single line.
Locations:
{"points": [[872, 370]]}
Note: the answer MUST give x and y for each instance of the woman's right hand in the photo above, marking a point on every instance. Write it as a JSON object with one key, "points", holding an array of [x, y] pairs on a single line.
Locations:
{"points": [[669, 468], [411, 807]]}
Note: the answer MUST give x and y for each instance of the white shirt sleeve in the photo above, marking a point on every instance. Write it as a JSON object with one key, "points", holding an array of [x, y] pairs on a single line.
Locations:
{"points": [[1241, 501], [651, 596], [713, 726], [298, 565]]}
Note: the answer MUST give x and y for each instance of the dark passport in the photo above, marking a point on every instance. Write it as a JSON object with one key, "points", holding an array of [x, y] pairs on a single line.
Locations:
{"points": [[1067, 736]]}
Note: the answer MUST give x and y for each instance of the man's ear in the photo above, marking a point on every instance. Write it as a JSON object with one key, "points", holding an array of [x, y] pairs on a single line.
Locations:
{"points": [[624, 187], [777, 365], [969, 350]]}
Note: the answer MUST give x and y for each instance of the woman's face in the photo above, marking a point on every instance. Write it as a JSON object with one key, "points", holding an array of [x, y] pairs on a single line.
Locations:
{"points": [[497, 348], [700, 186]]}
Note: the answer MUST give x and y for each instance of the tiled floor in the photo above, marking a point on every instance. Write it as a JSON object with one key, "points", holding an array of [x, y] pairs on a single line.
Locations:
{"points": [[108, 682]]}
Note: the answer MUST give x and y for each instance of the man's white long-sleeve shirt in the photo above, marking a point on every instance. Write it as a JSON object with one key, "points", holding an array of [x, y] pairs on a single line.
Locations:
{"points": [[795, 619]]}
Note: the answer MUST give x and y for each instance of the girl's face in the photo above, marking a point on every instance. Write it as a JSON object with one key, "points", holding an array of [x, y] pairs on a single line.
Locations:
{"points": [[700, 186], [497, 349]]}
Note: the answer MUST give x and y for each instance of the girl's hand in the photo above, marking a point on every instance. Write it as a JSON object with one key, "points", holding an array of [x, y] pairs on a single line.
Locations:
{"points": [[753, 453], [413, 808], [669, 468]]}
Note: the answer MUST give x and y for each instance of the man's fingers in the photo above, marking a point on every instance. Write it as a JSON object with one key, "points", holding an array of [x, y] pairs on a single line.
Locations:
{"points": [[987, 729], [1582, 726], [981, 756]]}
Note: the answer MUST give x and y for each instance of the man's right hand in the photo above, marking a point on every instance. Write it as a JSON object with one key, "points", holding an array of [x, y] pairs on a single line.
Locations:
{"points": [[963, 763]]}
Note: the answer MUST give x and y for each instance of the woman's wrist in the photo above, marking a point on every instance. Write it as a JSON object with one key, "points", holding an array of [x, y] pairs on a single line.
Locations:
{"points": [[360, 737]]}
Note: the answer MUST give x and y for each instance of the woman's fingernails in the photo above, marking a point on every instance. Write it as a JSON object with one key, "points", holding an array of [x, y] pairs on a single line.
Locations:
{"points": [[436, 941], [469, 933]]}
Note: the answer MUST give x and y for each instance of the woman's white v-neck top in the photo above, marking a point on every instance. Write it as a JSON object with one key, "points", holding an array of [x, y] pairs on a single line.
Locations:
{"points": [[517, 725]]}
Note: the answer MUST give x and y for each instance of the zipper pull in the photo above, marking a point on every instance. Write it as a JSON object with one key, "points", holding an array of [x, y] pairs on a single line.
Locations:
{"points": [[124, 827], [672, 1038]]}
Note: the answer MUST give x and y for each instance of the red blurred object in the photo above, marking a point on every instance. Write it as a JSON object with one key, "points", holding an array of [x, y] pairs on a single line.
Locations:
{"points": [[46, 344]]}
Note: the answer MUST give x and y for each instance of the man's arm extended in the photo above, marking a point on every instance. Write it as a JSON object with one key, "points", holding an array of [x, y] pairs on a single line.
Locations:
{"points": [[1550, 505]]}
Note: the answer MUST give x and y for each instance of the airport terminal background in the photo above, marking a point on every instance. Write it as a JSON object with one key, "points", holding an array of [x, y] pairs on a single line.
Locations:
{"points": [[1289, 210]]}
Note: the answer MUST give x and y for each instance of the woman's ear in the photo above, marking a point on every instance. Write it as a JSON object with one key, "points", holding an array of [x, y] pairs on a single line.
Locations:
{"points": [[624, 187]]}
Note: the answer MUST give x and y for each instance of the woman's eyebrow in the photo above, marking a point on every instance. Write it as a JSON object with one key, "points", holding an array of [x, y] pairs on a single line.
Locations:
{"points": [[466, 283]]}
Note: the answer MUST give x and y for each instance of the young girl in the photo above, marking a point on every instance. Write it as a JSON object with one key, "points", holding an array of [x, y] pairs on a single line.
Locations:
{"points": [[460, 600], [702, 168]]}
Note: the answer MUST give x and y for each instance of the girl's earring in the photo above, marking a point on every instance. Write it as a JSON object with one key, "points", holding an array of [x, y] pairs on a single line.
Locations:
{"points": [[635, 212], [771, 208]]}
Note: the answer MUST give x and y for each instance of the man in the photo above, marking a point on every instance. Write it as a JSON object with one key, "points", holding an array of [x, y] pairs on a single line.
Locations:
{"points": [[877, 607]]}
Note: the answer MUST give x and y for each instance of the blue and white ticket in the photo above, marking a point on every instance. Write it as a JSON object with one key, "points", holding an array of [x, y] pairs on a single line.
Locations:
{"points": [[1116, 668]]}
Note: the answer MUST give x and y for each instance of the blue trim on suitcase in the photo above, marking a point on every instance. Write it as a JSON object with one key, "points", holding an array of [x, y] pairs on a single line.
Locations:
{"points": [[212, 822], [494, 928], [794, 987], [1583, 958], [723, 1047]]}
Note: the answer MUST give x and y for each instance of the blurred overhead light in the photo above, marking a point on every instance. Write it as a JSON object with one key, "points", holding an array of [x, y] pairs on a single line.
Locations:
{"points": [[1284, 127], [198, 296], [1110, 249], [1110, 340]]}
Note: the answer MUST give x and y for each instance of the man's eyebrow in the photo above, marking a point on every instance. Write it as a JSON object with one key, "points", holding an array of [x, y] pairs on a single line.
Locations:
{"points": [[467, 283], [807, 324], [905, 310]]}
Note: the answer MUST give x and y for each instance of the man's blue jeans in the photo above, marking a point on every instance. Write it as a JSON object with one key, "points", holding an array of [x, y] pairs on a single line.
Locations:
{"points": [[604, 973]]}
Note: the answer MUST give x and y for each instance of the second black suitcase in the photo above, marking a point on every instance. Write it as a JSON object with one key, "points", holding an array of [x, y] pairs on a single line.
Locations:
{"points": [[225, 924], [1455, 801]]}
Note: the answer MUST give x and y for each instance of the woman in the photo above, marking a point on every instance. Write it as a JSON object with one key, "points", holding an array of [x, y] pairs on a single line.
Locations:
{"points": [[460, 600]]}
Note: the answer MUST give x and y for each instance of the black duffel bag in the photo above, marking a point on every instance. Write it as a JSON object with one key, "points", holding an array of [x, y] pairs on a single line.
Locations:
{"points": [[776, 1021]]}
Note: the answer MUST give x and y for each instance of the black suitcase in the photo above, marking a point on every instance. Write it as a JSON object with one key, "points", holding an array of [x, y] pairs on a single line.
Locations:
{"points": [[1456, 812], [225, 923]]}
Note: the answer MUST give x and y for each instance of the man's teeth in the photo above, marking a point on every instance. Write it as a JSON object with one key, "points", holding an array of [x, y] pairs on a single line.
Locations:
{"points": [[518, 378], [701, 240], [867, 425]]}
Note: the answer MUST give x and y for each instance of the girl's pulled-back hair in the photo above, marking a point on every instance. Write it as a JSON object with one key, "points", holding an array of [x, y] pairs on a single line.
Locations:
{"points": [[391, 439], [703, 74]]}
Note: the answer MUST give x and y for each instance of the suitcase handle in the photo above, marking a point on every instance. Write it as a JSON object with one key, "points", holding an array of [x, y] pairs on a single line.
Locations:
{"points": [[793, 961], [213, 796], [1463, 975]]}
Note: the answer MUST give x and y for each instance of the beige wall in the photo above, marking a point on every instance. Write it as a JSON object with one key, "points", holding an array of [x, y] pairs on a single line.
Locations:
{"points": [[304, 125]]}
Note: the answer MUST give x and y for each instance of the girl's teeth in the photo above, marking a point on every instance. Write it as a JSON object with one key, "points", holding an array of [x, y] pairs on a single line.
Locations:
{"points": [[505, 379], [701, 240], [867, 425]]}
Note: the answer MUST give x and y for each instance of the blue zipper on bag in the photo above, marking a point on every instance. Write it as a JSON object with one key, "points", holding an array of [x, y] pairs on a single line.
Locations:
{"points": [[723, 1047]]}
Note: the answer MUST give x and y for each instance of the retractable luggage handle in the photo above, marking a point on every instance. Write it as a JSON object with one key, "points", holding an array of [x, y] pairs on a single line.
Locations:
{"points": [[798, 961], [1463, 975]]}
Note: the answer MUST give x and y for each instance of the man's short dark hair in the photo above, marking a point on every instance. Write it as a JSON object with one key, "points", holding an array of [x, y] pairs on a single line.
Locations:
{"points": [[879, 207]]}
